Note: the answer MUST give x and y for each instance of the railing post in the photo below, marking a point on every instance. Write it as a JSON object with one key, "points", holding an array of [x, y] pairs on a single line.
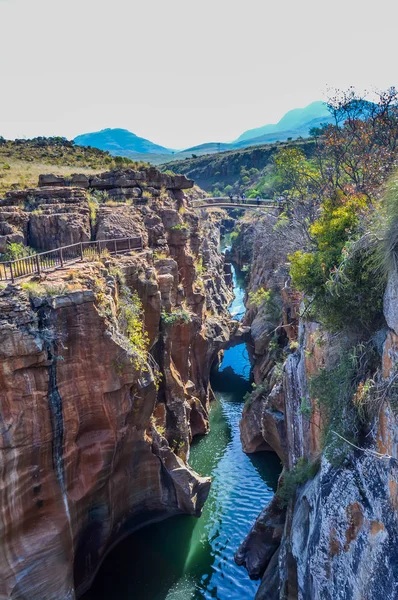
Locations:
{"points": [[81, 250], [115, 246], [99, 247], [37, 264], [129, 241], [61, 257], [12, 273]]}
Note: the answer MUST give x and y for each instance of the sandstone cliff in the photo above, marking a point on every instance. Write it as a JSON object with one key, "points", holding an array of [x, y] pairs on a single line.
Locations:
{"points": [[98, 408], [60, 212]]}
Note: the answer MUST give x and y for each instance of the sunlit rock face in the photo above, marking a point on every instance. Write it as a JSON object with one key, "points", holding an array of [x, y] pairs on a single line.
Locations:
{"points": [[57, 212], [341, 529], [95, 443], [81, 461]]}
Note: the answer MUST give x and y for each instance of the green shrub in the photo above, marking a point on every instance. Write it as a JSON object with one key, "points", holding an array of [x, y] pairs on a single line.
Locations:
{"points": [[33, 289], [17, 250], [93, 203], [259, 297], [119, 274], [269, 302], [159, 254], [179, 227], [336, 392], [305, 407], [175, 316], [302, 472], [339, 274], [131, 324], [41, 291], [330, 233], [258, 390], [200, 270], [233, 237]]}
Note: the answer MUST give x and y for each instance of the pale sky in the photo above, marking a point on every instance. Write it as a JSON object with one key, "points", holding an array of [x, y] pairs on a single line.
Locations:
{"points": [[183, 72]]}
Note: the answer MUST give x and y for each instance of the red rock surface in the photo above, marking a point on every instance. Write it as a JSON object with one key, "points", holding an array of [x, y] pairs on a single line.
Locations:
{"points": [[92, 444]]}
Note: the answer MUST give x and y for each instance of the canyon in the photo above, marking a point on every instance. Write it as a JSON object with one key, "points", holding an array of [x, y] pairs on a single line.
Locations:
{"points": [[98, 411], [109, 377], [334, 535]]}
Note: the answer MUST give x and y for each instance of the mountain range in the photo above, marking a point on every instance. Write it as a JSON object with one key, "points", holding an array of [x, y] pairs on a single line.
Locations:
{"points": [[120, 142], [294, 124]]}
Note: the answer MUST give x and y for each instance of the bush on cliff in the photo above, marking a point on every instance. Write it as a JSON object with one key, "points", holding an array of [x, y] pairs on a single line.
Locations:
{"points": [[341, 394], [178, 315], [338, 274], [269, 303], [130, 319], [303, 471]]}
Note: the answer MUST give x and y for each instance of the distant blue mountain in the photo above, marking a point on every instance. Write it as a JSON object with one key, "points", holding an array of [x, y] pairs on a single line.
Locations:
{"points": [[120, 142], [296, 119], [295, 123]]}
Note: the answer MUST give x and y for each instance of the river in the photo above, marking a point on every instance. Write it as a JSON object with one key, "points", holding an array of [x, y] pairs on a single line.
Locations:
{"points": [[184, 558]]}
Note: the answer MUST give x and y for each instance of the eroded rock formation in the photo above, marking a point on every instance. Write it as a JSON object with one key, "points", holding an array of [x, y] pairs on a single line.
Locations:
{"points": [[58, 212], [95, 435], [336, 538]]}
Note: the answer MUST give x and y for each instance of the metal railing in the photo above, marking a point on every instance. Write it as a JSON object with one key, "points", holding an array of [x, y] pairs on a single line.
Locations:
{"points": [[57, 258], [236, 200]]}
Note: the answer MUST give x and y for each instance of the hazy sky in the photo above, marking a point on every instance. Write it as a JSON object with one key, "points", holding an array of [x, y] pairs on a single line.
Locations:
{"points": [[183, 72]]}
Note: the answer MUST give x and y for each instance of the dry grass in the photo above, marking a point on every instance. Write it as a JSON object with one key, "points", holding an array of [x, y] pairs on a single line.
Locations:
{"points": [[22, 161], [23, 174]]}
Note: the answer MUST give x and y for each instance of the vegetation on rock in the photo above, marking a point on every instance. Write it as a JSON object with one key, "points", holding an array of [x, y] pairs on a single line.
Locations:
{"points": [[300, 474], [250, 170], [178, 315], [17, 250], [22, 161]]}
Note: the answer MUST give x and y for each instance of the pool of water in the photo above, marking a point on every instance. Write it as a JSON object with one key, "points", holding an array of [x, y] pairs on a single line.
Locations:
{"points": [[185, 558]]}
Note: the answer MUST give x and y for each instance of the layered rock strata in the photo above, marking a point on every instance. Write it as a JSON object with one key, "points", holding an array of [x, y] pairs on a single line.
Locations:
{"points": [[336, 538], [95, 430], [60, 212]]}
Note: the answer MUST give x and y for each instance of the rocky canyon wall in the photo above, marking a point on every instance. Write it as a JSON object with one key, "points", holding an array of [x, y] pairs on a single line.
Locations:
{"points": [[98, 411], [335, 537]]}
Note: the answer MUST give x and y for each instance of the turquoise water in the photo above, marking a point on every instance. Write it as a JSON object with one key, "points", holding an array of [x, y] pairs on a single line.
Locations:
{"points": [[186, 558]]}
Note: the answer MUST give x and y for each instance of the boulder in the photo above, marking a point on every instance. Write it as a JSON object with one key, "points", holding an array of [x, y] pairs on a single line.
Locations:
{"points": [[49, 231], [51, 180], [117, 222]]}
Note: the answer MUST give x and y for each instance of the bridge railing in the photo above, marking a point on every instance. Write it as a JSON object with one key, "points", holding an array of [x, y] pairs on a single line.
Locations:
{"points": [[54, 259], [235, 200]]}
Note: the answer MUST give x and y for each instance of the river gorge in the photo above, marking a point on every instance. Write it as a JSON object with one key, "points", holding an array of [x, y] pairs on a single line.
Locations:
{"points": [[150, 397], [194, 558]]}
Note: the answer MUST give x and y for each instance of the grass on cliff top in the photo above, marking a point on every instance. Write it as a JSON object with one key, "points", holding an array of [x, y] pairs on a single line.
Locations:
{"points": [[22, 161]]}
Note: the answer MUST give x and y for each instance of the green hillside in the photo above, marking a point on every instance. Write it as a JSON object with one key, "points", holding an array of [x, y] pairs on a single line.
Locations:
{"points": [[22, 161], [238, 170]]}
